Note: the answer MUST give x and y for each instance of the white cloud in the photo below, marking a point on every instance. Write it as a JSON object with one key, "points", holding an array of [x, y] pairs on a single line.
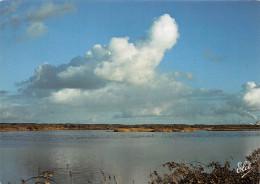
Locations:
{"points": [[106, 96], [69, 96], [162, 98], [149, 100], [163, 33], [251, 95], [136, 63]]}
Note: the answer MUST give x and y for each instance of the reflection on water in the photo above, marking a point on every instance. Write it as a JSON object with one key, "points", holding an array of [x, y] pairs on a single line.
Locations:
{"points": [[128, 155]]}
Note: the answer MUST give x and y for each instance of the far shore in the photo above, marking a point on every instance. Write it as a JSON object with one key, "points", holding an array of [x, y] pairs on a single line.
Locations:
{"points": [[4, 127]]}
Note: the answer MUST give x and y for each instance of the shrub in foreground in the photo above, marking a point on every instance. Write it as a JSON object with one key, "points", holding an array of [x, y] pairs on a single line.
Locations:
{"points": [[214, 172]]}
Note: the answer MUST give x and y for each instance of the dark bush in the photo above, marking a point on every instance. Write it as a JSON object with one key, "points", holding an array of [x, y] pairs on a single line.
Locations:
{"points": [[174, 172]]}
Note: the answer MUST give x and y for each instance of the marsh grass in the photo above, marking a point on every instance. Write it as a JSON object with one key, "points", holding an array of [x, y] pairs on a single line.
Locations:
{"points": [[44, 177], [214, 172]]}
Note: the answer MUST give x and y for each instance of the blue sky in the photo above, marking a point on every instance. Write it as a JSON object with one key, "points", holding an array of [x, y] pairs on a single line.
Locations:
{"points": [[207, 73]]}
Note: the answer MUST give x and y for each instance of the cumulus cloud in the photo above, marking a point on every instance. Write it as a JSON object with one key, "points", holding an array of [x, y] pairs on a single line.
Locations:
{"points": [[245, 103], [162, 98], [119, 61], [107, 96], [135, 63], [251, 95], [78, 74]]}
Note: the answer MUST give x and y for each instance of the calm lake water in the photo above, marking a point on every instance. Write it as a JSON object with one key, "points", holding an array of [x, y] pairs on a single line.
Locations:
{"points": [[128, 155]]}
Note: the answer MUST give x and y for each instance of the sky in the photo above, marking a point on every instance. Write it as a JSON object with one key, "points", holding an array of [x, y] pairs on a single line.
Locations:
{"points": [[130, 62]]}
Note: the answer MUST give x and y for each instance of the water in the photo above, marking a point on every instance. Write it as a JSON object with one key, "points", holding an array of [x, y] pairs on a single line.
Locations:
{"points": [[130, 156]]}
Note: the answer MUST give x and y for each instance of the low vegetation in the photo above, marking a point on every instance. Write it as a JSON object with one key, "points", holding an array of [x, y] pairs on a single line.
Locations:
{"points": [[125, 128], [214, 172]]}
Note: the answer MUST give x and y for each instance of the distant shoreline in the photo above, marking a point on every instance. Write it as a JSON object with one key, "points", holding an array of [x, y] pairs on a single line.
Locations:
{"points": [[5, 127]]}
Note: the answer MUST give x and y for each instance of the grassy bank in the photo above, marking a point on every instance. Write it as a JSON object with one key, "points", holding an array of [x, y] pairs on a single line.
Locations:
{"points": [[125, 128]]}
